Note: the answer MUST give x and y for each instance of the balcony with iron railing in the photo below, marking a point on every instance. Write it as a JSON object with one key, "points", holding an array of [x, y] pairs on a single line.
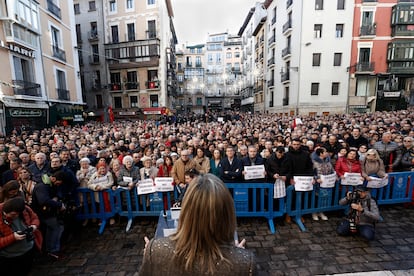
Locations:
{"points": [[286, 52], [284, 77], [289, 3], [94, 59], [137, 50], [63, 94], [271, 61], [272, 39], [368, 30], [59, 53], [369, 1], [26, 88], [189, 64], [271, 83], [365, 67], [131, 85], [93, 35], [287, 26], [153, 85], [54, 9], [115, 86]]}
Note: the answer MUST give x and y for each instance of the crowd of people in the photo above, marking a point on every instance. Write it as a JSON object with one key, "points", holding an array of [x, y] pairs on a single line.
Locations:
{"points": [[44, 167]]}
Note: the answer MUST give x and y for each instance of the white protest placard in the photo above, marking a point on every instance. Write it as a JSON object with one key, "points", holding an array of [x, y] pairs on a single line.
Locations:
{"points": [[254, 172], [303, 183], [220, 119], [377, 182], [146, 186], [353, 179], [328, 181], [279, 189], [175, 212], [164, 184], [127, 179]]}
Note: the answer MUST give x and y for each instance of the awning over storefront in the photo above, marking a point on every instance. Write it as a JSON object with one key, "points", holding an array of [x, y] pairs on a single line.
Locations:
{"points": [[24, 104]]}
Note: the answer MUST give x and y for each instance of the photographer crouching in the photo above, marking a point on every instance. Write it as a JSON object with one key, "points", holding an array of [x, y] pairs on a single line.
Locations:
{"points": [[18, 236], [362, 216]]}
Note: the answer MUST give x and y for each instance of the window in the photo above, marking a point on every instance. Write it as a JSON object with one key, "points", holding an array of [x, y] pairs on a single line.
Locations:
{"points": [[134, 101], [95, 52], [316, 61], [210, 58], [339, 31], [317, 30], [132, 76], [117, 102], [340, 5], [318, 4], [92, 6], [237, 54], [115, 78], [218, 58], [335, 89], [150, 2], [63, 94], [131, 31], [129, 4], [112, 5], [23, 69], [315, 88], [94, 30], [198, 61], [76, 7], [337, 59], [154, 100], [152, 30], [78, 33], [99, 101], [228, 55], [115, 36]]}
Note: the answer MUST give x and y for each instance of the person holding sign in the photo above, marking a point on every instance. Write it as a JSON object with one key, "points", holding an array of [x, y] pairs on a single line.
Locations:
{"points": [[323, 167], [253, 159], [299, 164], [205, 239], [348, 164], [373, 166]]}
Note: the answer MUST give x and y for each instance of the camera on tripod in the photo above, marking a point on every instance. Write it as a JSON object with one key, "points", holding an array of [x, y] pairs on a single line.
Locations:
{"points": [[28, 232], [354, 197]]}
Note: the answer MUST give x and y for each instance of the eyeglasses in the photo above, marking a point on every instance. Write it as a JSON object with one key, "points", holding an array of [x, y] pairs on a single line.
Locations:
{"points": [[407, 141]]}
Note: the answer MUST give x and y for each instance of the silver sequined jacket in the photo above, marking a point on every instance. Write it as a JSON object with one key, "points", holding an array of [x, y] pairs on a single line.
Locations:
{"points": [[158, 261]]}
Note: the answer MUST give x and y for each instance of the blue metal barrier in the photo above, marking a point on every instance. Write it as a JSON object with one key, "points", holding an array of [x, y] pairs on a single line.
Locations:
{"points": [[253, 200], [90, 208], [399, 189], [250, 200], [132, 205], [300, 203]]}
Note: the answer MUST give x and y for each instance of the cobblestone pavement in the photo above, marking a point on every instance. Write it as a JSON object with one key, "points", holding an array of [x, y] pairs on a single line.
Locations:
{"points": [[288, 252]]}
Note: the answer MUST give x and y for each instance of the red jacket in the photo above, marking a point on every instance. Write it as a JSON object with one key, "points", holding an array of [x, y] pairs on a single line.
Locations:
{"points": [[344, 165], [29, 218]]}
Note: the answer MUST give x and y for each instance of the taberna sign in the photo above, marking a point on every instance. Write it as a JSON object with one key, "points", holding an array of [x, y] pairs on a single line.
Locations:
{"points": [[15, 112], [18, 49]]}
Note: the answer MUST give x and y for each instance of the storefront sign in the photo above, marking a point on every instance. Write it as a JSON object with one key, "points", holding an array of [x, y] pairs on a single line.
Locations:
{"points": [[126, 113], [18, 49], [78, 118], [14, 112], [392, 94]]}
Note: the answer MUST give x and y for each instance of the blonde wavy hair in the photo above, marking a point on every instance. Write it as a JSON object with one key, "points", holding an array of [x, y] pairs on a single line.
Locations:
{"points": [[207, 221]]}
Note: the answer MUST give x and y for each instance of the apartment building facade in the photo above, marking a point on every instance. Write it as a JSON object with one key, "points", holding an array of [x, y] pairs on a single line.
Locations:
{"points": [[140, 51], [42, 85], [382, 68]]}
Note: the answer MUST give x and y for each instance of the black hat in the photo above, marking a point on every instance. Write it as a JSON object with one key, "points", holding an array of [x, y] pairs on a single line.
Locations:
{"points": [[361, 188], [280, 149]]}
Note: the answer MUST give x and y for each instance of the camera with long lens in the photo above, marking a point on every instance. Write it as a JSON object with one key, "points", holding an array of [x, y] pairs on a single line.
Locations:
{"points": [[28, 232], [354, 197]]}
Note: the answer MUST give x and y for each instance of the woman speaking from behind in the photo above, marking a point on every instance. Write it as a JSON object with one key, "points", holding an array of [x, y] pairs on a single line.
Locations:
{"points": [[204, 242]]}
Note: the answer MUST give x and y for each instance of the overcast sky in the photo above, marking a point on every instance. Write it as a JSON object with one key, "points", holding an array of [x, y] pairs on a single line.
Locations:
{"points": [[195, 19]]}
